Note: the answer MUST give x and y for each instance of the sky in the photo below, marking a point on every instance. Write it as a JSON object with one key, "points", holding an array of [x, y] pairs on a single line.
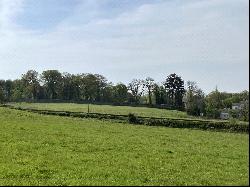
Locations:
{"points": [[206, 41]]}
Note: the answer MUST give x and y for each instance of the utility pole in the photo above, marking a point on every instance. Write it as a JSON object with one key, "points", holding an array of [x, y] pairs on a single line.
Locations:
{"points": [[88, 107]]}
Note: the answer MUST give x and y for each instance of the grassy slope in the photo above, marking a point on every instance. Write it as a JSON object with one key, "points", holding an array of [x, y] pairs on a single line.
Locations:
{"points": [[51, 150], [140, 111]]}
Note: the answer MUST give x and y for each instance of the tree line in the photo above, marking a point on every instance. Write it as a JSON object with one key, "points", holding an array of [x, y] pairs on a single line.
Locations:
{"points": [[53, 85]]}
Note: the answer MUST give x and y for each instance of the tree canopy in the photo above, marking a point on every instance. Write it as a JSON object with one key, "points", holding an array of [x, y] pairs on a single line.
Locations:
{"points": [[53, 85]]}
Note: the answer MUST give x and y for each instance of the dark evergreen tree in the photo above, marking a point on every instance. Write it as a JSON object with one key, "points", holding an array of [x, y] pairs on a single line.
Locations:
{"points": [[175, 90]]}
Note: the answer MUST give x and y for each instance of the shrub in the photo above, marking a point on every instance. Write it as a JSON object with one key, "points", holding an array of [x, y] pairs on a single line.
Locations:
{"points": [[233, 121], [132, 118]]}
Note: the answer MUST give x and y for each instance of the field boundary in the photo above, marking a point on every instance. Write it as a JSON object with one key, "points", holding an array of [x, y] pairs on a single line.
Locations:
{"points": [[150, 121]]}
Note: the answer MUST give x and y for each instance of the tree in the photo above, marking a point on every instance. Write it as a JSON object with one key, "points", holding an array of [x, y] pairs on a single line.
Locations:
{"points": [[101, 85], [1, 95], [53, 83], [245, 111], [160, 94], [149, 85], [77, 87], [70, 87], [194, 99], [229, 98], [244, 95], [18, 91], [92, 87], [175, 90], [157, 94], [31, 84], [8, 89], [136, 89], [89, 87], [213, 104], [120, 93], [108, 93]]}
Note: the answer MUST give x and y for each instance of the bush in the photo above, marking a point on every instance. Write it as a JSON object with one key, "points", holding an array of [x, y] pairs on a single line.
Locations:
{"points": [[132, 118], [233, 121]]}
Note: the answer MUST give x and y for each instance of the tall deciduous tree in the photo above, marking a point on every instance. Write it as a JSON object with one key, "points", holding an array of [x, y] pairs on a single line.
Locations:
{"points": [[67, 86], [149, 84], [53, 83], [107, 94], [2, 95], [102, 82], [31, 84], [120, 93], [2, 98], [17, 91], [8, 89], [136, 89], [194, 99], [89, 87], [213, 104], [160, 94]]}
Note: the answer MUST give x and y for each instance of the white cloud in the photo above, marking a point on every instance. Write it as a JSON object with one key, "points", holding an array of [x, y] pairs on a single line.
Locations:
{"points": [[198, 40], [9, 9]]}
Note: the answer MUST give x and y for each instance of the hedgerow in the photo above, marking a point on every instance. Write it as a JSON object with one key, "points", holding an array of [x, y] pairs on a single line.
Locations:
{"points": [[166, 122]]}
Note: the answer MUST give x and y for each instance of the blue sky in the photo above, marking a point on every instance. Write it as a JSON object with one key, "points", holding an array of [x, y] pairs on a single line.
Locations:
{"points": [[206, 41]]}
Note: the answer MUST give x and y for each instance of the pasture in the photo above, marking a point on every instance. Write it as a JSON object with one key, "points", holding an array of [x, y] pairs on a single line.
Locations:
{"points": [[52, 150], [104, 109]]}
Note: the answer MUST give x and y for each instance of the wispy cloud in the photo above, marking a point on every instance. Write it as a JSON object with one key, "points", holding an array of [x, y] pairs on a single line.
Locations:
{"points": [[205, 41], [8, 12]]}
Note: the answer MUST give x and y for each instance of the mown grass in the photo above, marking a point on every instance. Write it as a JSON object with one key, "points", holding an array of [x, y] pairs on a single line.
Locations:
{"points": [[105, 109], [53, 150]]}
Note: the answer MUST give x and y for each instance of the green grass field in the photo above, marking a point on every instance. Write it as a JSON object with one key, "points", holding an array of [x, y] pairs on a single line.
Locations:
{"points": [[52, 150], [109, 109]]}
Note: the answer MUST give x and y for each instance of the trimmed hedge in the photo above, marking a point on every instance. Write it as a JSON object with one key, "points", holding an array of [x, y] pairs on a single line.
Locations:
{"points": [[166, 122]]}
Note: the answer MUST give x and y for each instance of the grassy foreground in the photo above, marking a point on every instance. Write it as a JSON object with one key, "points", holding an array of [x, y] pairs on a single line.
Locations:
{"points": [[52, 150], [104, 109]]}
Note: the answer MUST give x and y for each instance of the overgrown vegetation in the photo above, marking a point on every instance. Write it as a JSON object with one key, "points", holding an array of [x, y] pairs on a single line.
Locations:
{"points": [[132, 119]]}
